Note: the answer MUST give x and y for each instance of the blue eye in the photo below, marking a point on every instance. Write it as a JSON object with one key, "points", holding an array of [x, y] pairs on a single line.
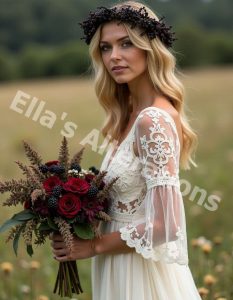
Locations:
{"points": [[127, 43], [103, 48]]}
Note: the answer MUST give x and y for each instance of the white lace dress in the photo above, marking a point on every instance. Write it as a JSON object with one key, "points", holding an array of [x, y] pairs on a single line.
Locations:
{"points": [[147, 208]]}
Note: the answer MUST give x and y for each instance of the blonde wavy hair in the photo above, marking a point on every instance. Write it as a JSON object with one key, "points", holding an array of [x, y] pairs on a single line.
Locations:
{"points": [[115, 98]]}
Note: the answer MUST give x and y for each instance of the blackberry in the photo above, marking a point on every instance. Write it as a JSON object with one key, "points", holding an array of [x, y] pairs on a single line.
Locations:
{"points": [[57, 191], [94, 170], [52, 202], [57, 169], [43, 168], [92, 192], [75, 166]]}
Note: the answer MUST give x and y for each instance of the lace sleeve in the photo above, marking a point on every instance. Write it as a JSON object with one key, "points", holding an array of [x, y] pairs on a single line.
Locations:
{"points": [[160, 234]]}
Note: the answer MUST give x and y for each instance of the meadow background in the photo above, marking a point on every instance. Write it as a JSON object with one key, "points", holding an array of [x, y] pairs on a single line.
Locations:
{"points": [[209, 106]]}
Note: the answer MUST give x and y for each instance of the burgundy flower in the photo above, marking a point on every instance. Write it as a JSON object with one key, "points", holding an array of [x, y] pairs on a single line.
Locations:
{"points": [[41, 207], [69, 205], [76, 185], [27, 204], [89, 177], [91, 208], [102, 185], [52, 163], [50, 183]]}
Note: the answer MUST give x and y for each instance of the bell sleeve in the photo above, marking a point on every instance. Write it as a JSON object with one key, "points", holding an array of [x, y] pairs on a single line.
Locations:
{"points": [[158, 230]]}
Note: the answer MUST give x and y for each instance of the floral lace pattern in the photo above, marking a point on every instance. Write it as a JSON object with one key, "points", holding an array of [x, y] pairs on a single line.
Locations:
{"points": [[157, 149], [128, 192], [148, 186], [171, 252]]}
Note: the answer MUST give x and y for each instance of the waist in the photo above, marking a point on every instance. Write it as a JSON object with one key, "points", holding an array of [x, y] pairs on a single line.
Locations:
{"points": [[123, 217]]}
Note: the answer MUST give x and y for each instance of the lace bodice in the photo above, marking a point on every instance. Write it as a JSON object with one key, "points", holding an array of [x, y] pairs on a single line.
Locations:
{"points": [[129, 190], [147, 193]]}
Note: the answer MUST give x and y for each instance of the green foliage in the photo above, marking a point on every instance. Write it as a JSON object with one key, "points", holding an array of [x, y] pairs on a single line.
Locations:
{"points": [[16, 239], [71, 59], [8, 224], [54, 22], [8, 67], [191, 44], [24, 215], [221, 49], [41, 61], [83, 231], [197, 47], [35, 61], [29, 250], [17, 219], [51, 225], [42, 38]]}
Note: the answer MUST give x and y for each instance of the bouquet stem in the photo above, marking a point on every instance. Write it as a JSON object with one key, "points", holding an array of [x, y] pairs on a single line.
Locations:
{"points": [[67, 281]]}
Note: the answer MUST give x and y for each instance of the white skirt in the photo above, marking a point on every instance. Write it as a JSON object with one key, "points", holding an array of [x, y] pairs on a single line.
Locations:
{"points": [[131, 277]]}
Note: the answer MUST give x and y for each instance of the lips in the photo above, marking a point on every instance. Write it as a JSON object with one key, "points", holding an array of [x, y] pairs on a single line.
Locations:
{"points": [[118, 68]]}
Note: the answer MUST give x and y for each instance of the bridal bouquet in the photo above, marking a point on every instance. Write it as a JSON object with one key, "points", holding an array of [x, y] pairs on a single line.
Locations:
{"points": [[57, 196]]}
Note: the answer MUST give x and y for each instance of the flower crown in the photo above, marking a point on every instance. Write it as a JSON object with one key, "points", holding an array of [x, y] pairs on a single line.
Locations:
{"points": [[151, 27]]}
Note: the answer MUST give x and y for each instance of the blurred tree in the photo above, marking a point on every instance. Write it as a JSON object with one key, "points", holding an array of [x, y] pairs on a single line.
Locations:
{"points": [[191, 46], [35, 61], [44, 35], [71, 59], [53, 22]]}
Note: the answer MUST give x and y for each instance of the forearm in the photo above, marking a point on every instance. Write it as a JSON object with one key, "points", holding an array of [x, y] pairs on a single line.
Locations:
{"points": [[111, 243]]}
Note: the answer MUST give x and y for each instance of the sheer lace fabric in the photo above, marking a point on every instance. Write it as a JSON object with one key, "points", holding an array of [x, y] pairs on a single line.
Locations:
{"points": [[148, 191], [161, 234], [147, 209]]}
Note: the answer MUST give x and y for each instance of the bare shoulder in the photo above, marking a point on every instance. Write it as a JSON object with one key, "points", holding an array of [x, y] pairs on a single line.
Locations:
{"points": [[166, 105]]}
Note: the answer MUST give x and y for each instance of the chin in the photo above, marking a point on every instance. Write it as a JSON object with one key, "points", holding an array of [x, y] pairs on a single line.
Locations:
{"points": [[122, 79]]}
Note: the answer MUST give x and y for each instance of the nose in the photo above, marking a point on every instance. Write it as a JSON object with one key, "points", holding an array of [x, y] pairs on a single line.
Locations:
{"points": [[115, 54]]}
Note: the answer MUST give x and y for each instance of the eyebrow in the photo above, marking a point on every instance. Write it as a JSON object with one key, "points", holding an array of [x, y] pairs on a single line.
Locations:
{"points": [[120, 39]]}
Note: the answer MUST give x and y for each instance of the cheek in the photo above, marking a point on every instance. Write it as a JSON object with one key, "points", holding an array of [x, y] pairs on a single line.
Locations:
{"points": [[105, 60], [138, 59]]}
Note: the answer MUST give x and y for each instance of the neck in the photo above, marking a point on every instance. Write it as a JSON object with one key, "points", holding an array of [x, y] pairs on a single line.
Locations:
{"points": [[142, 93]]}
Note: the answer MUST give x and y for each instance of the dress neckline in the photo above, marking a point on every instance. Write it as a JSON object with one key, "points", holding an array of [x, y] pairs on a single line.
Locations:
{"points": [[112, 154]]}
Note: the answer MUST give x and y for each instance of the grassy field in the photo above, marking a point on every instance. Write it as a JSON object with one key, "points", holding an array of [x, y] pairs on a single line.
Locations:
{"points": [[209, 107]]}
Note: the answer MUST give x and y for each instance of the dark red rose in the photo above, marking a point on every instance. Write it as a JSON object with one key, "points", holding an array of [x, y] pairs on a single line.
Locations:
{"points": [[52, 163], [69, 205], [50, 183], [41, 207], [89, 177], [76, 185], [27, 204]]}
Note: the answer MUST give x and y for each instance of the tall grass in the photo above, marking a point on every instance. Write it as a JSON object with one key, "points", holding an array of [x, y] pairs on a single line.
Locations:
{"points": [[210, 107]]}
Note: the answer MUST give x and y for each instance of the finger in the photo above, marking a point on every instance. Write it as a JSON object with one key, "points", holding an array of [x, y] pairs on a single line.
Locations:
{"points": [[58, 245], [51, 236], [57, 237], [62, 258], [61, 252]]}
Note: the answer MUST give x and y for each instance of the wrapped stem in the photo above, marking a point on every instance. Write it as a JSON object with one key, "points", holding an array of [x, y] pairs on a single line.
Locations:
{"points": [[67, 281]]}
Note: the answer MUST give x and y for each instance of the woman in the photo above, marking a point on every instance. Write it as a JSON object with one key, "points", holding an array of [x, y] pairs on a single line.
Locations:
{"points": [[142, 254]]}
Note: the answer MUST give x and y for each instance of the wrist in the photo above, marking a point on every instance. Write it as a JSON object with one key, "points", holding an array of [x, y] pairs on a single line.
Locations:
{"points": [[97, 245]]}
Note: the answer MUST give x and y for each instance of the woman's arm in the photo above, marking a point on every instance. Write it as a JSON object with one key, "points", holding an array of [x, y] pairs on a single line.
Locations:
{"points": [[110, 243]]}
